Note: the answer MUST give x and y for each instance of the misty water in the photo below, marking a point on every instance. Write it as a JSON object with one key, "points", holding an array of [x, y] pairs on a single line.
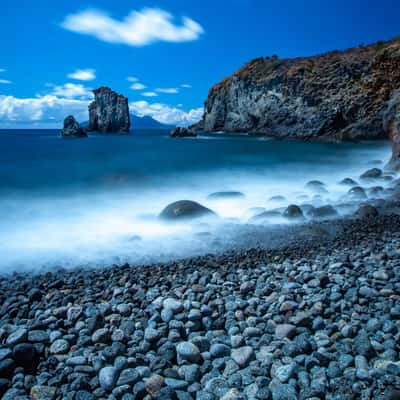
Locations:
{"points": [[96, 201]]}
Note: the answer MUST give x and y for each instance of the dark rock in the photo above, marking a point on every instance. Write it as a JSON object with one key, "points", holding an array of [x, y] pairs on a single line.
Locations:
{"points": [[357, 193], [293, 212], [6, 367], [25, 355], [367, 211], [372, 174], [182, 132], [226, 195], [185, 209], [348, 182], [322, 212], [316, 186], [108, 377], [109, 112], [72, 129]]}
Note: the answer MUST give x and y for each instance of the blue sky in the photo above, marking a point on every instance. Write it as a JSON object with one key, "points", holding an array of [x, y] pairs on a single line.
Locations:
{"points": [[163, 54]]}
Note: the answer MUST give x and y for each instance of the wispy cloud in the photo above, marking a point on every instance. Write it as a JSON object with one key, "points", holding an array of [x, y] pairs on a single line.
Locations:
{"points": [[138, 28], [2, 70], [186, 86], [132, 79], [138, 86], [71, 91], [149, 94], [5, 81], [83, 74], [167, 90]]}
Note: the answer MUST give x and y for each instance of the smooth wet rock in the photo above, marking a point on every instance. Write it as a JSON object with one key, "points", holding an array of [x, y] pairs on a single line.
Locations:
{"points": [[327, 211], [108, 377], [285, 331], [293, 212], [60, 346], [348, 182], [185, 209], [372, 173], [316, 186], [367, 211], [154, 385], [243, 356], [188, 352], [226, 195], [357, 193], [25, 355], [42, 392]]}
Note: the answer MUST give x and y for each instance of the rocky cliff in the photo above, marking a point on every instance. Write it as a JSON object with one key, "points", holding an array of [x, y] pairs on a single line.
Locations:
{"points": [[340, 95], [109, 112]]}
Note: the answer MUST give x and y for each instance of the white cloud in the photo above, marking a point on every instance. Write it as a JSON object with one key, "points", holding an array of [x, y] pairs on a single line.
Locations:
{"points": [[132, 79], [5, 81], [72, 90], [138, 86], [167, 90], [165, 113], [138, 28], [49, 111], [83, 74], [149, 94], [45, 110], [186, 86]]}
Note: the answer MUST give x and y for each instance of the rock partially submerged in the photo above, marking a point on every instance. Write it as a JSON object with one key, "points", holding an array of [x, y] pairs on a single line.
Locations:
{"points": [[181, 132], [372, 173], [109, 112], [185, 209], [72, 129], [293, 212], [226, 195]]}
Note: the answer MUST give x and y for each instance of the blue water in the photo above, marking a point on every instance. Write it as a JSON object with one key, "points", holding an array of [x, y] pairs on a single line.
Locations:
{"points": [[95, 201]]}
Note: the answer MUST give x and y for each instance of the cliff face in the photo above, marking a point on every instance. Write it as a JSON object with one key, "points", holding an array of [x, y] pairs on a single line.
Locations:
{"points": [[109, 112], [335, 96]]}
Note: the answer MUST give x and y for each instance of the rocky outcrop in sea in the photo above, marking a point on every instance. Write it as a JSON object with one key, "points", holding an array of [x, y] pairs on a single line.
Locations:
{"points": [[340, 95], [109, 112], [72, 129], [180, 132]]}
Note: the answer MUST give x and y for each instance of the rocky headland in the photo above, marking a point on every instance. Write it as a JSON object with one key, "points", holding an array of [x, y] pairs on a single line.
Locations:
{"points": [[109, 112], [340, 95]]}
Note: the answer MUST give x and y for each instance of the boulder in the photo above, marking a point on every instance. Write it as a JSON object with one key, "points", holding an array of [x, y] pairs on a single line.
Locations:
{"points": [[226, 195], [181, 132], [316, 186], [293, 212], [366, 211], [357, 193], [372, 173], [185, 209], [322, 212], [109, 112], [72, 129], [348, 182]]}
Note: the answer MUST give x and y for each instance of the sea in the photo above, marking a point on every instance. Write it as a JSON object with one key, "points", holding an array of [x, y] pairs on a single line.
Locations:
{"points": [[95, 202]]}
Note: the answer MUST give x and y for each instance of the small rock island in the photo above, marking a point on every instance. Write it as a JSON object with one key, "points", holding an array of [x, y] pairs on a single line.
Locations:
{"points": [[109, 112], [72, 129]]}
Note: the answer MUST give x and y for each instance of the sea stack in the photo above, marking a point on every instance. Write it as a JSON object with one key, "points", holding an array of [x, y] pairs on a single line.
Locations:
{"points": [[109, 112], [72, 129], [337, 96], [181, 132]]}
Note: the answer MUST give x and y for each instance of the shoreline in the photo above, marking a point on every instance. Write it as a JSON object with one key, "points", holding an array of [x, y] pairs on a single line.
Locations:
{"points": [[315, 318]]}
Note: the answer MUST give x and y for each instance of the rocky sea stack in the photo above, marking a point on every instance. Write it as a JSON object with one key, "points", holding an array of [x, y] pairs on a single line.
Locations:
{"points": [[109, 112], [340, 95], [180, 132], [72, 128]]}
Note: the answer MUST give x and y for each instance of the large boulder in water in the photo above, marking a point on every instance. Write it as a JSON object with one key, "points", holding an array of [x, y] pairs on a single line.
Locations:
{"points": [[372, 173], [72, 128], [185, 209], [181, 132], [322, 212], [109, 112]]}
